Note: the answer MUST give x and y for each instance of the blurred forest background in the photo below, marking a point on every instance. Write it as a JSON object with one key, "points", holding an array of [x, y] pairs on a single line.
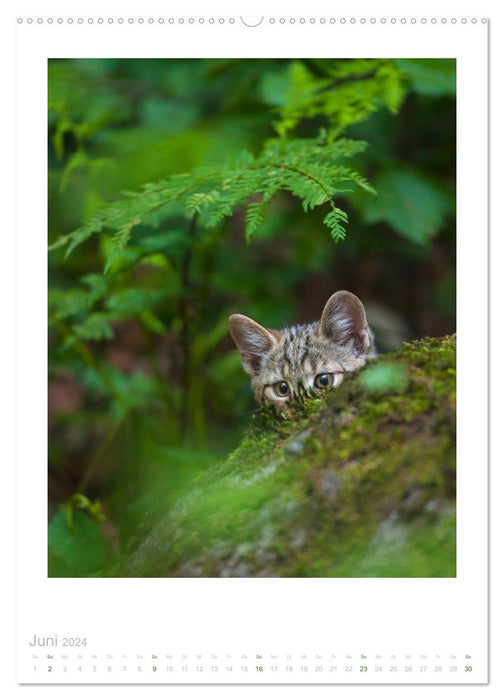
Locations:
{"points": [[181, 191]]}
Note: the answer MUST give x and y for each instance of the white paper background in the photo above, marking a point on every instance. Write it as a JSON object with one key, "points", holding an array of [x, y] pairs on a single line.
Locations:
{"points": [[429, 601]]}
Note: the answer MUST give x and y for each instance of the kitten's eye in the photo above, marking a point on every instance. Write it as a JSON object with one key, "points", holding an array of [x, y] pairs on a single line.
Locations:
{"points": [[281, 389], [324, 381]]}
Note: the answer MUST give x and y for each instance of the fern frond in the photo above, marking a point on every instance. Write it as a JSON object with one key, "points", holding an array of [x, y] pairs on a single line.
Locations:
{"points": [[352, 90], [255, 214], [309, 169], [335, 222], [201, 200]]}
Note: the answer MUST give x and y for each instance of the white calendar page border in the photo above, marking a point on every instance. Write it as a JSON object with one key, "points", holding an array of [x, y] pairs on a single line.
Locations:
{"points": [[46, 605]]}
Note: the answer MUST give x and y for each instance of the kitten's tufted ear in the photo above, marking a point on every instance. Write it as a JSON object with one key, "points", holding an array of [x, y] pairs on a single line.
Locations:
{"points": [[252, 340], [344, 322]]}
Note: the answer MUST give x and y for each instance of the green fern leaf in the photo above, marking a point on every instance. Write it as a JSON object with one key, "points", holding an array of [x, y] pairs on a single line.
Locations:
{"points": [[336, 221], [255, 215]]}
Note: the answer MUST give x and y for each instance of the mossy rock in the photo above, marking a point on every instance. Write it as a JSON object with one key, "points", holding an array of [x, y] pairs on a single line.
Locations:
{"points": [[361, 483]]}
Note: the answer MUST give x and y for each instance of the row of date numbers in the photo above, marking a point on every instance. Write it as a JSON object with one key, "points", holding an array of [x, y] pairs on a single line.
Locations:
{"points": [[263, 669]]}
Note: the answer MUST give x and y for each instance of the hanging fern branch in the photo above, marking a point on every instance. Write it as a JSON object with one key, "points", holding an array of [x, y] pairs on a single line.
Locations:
{"points": [[342, 93], [310, 169], [255, 214]]}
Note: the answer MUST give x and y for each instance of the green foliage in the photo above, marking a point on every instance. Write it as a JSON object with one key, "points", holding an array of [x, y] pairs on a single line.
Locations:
{"points": [[415, 206], [343, 92], [160, 174], [386, 377], [77, 547], [430, 76], [159, 243], [310, 169]]}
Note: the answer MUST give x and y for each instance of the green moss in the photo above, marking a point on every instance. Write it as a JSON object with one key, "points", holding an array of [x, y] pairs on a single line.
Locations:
{"points": [[360, 484]]}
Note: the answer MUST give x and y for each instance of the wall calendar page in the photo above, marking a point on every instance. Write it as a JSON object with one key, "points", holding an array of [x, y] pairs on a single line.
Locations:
{"points": [[247, 261]]}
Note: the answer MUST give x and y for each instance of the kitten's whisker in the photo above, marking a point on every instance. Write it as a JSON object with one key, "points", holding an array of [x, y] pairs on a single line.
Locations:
{"points": [[251, 413]]}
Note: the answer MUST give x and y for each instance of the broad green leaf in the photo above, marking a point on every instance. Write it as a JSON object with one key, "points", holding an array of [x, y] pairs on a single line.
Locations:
{"points": [[385, 378], [431, 76], [80, 544], [410, 202]]}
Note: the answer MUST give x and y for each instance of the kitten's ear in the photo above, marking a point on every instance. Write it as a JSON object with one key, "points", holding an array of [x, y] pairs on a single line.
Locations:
{"points": [[252, 340], [344, 321]]}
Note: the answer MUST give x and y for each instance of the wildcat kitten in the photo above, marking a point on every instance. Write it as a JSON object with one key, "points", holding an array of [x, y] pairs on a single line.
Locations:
{"points": [[288, 365]]}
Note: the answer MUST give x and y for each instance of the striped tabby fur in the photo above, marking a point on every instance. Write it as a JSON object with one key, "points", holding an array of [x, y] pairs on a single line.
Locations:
{"points": [[289, 365]]}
